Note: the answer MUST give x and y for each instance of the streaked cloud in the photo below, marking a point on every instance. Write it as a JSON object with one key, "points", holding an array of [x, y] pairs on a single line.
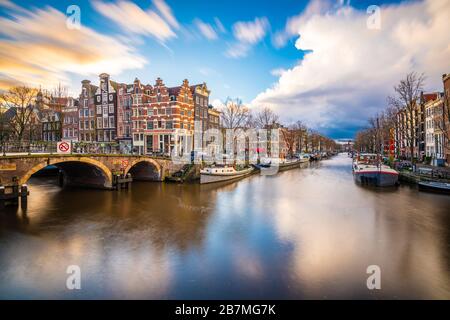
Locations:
{"points": [[135, 20], [36, 48], [166, 12], [251, 32], [206, 29], [247, 34], [351, 70], [219, 25]]}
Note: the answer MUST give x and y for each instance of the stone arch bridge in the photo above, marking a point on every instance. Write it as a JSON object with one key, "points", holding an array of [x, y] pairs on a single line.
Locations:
{"points": [[85, 170]]}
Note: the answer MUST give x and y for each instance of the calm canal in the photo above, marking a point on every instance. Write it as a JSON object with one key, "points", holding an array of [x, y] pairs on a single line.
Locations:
{"points": [[303, 233]]}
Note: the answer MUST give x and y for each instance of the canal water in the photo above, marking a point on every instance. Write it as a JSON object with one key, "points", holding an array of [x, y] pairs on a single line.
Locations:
{"points": [[301, 234]]}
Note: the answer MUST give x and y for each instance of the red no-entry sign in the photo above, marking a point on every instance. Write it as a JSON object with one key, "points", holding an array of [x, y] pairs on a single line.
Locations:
{"points": [[63, 147]]}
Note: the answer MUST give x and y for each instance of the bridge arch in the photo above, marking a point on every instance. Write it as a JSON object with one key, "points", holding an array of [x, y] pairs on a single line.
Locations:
{"points": [[64, 162], [145, 169]]}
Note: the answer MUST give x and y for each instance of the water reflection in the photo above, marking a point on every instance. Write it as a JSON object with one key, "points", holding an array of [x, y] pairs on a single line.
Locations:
{"points": [[306, 233]]}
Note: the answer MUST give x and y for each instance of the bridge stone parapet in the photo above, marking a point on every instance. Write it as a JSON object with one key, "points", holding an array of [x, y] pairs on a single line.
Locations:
{"points": [[85, 170]]}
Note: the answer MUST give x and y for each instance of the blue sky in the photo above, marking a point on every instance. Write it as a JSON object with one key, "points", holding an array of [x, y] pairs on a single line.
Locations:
{"points": [[236, 52]]}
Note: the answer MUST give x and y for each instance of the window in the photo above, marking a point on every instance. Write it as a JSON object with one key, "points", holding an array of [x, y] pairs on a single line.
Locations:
{"points": [[91, 112], [182, 125], [111, 122], [98, 98], [150, 112], [111, 108], [189, 113], [197, 100], [182, 112], [86, 112], [150, 125], [110, 97], [81, 113], [155, 124], [186, 98], [169, 125], [99, 109], [99, 123], [169, 111], [173, 98], [105, 123], [86, 124], [161, 111], [81, 125]]}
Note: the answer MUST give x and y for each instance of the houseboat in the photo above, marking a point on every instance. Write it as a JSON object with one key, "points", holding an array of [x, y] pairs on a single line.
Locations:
{"points": [[368, 169]]}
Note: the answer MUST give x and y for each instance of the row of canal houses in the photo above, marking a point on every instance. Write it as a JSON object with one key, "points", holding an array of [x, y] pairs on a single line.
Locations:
{"points": [[142, 118], [431, 120]]}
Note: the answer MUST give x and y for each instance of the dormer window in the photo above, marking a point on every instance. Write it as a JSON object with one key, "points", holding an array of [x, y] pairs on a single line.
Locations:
{"points": [[173, 98]]}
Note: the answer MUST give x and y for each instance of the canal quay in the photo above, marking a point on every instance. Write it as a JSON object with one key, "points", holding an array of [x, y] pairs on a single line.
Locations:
{"points": [[300, 234]]}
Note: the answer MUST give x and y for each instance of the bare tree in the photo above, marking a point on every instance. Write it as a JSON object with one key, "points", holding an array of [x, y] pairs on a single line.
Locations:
{"points": [[406, 100], [234, 114], [20, 99], [266, 118]]}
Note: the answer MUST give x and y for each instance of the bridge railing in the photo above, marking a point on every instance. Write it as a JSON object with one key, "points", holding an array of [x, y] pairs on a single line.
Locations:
{"points": [[50, 147], [27, 147]]}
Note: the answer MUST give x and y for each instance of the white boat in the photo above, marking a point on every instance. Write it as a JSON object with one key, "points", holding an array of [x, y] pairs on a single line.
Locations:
{"points": [[219, 174], [368, 169]]}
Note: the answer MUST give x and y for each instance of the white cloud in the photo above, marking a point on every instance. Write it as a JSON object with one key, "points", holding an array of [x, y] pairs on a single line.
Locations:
{"points": [[251, 32], [219, 25], [166, 12], [247, 34], [36, 49], [352, 68], [238, 50], [132, 18], [314, 7], [206, 29], [277, 72]]}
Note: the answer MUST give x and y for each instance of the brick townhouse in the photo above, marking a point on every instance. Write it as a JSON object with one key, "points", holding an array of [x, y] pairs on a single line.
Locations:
{"points": [[163, 118], [86, 112]]}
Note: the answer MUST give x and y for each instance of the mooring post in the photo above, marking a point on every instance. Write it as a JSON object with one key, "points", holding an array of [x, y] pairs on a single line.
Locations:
{"points": [[129, 180], [24, 198], [2, 197], [24, 194]]}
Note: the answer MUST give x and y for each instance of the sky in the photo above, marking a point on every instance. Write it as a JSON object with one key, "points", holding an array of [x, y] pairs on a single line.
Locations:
{"points": [[328, 63]]}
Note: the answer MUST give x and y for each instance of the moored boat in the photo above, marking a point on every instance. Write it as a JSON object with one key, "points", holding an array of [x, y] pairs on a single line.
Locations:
{"points": [[367, 169], [218, 174], [435, 186], [275, 165]]}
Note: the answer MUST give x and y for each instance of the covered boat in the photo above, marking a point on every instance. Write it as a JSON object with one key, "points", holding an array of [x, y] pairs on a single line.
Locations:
{"points": [[368, 169], [218, 174], [435, 186]]}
